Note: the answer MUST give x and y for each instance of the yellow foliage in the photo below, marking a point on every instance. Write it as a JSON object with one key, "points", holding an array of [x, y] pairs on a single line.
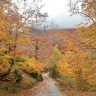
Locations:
{"points": [[89, 34], [31, 66], [76, 64], [4, 64]]}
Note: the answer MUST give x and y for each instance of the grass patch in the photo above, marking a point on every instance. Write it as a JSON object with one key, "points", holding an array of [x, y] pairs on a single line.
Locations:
{"points": [[8, 88], [26, 82], [4, 88]]}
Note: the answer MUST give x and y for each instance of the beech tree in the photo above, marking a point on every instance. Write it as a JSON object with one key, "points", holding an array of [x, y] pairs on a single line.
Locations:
{"points": [[76, 66], [54, 59], [13, 42], [86, 8]]}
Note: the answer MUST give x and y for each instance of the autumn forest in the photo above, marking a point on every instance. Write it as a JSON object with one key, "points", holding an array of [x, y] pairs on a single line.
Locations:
{"points": [[31, 47]]}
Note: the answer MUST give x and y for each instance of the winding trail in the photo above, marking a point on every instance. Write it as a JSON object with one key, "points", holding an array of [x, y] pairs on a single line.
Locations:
{"points": [[47, 87]]}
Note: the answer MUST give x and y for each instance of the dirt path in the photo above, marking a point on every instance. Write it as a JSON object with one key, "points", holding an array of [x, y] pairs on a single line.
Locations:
{"points": [[47, 88]]}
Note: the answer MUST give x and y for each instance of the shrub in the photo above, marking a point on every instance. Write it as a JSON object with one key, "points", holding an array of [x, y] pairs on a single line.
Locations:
{"points": [[53, 71], [18, 76], [37, 76]]}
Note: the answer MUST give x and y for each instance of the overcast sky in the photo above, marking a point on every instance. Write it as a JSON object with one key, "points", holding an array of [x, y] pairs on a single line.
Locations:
{"points": [[58, 11]]}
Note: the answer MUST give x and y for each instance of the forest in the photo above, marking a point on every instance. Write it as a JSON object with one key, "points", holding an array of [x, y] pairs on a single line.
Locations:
{"points": [[31, 46]]}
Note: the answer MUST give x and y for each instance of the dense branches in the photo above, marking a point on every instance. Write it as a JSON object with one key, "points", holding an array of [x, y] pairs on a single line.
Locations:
{"points": [[84, 8]]}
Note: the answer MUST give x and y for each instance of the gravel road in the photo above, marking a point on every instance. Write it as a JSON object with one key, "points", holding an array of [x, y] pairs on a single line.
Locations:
{"points": [[47, 87]]}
